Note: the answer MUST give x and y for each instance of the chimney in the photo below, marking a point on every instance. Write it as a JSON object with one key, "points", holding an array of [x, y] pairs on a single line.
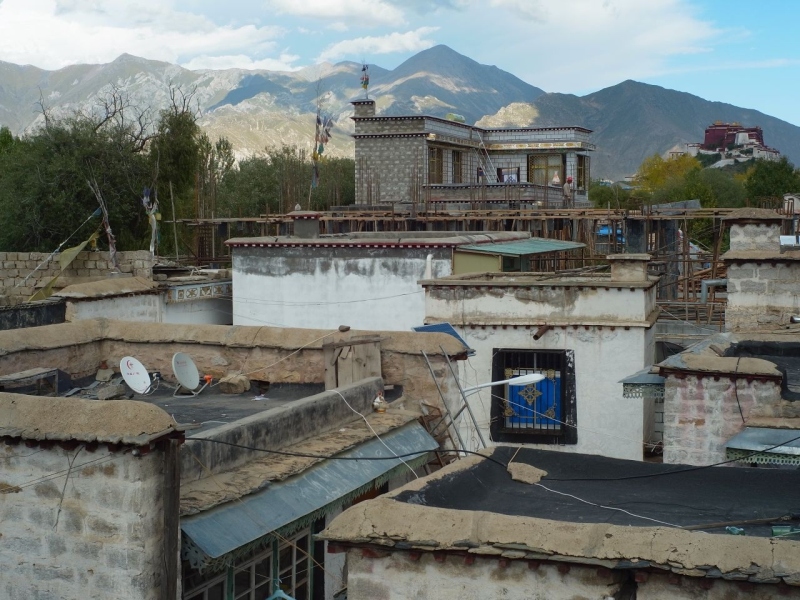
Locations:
{"points": [[363, 108], [629, 267], [306, 223]]}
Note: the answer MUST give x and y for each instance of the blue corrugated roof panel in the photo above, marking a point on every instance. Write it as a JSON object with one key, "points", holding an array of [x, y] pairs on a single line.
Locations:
{"points": [[230, 526], [445, 328]]}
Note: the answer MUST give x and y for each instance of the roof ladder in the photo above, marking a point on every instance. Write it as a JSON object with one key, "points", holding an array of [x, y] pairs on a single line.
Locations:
{"points": [[484, 160]]}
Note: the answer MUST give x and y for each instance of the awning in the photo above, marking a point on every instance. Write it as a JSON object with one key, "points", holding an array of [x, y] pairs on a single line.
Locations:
{"points": [[643, 384], [445, 328], [326, 485], [764, 439], [523, 247]]}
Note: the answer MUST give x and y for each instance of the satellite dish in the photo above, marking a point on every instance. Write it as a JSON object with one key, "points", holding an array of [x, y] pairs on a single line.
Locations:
{"points": [[186, 373], [135, 375]]}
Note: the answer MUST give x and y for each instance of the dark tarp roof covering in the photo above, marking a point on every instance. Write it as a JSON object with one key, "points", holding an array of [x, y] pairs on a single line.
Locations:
{"points": [[523, 247], [225, 528]]}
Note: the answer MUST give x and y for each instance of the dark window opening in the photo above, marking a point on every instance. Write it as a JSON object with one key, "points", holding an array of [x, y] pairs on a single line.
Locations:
{"points": [[541, 413], [435, 165], [458, 167]]}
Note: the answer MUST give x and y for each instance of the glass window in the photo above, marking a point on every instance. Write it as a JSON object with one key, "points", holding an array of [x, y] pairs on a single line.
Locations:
{"points": [[583, 172], [435, 166], [458, 167], [543, 168]]}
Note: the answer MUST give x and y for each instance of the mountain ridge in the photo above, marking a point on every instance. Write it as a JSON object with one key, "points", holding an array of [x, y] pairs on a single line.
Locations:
{"points": [[257, 108]]}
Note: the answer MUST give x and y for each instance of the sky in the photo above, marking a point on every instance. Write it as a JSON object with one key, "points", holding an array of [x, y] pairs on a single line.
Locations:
{"points": [[736, 51]]}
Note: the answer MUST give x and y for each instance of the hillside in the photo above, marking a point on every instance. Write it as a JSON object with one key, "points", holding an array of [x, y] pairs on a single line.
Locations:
{"points": [[255, 109]]}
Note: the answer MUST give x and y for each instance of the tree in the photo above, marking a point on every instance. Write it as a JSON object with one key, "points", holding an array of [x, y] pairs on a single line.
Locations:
{"points": [[44, 190], [280, 179], [770, 179], [656, 173]]}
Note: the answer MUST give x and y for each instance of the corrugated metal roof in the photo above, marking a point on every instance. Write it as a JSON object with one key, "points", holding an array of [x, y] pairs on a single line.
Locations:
{"points": [[524, 247], [445, 328], [225, 528], [763, 439]]}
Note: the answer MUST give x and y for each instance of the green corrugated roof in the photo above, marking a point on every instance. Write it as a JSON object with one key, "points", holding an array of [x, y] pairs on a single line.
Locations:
{"points": [[523, 247]]}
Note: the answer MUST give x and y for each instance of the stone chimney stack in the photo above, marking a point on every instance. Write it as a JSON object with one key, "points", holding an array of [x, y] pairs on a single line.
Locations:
{"points": [[306, 223], [363, 108], [629, 267]]}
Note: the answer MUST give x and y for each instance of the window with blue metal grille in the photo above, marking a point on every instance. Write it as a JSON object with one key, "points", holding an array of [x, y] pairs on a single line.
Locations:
{"points": [[541, 413]]}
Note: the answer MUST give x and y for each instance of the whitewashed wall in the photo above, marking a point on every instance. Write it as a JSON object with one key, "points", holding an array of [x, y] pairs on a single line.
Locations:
{"points": [[152, 308], [605, 327], [608, 424], [378, 292]]}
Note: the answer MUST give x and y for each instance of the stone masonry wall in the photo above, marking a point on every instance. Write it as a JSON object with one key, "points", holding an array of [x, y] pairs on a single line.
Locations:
{"points": [[701, 414], [18, 280], [390, 161], [755, 236], [762, 295], [80, 524]]}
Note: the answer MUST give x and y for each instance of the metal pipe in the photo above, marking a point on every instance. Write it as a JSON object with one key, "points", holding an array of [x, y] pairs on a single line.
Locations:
{"points": [[541, 331], [707, 283]]}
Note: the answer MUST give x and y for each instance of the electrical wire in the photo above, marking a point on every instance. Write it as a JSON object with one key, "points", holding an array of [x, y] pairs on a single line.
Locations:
{"points": [[679, 471], [375, 433]]}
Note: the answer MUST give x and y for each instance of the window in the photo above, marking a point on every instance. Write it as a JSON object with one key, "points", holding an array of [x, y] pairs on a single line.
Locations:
{"points": [[458, 167], [583, 173], [294, 565], [252, 580], [542, 413], [543, 167], [435, 166], [252, 577], [197, 586], [508, 175]]}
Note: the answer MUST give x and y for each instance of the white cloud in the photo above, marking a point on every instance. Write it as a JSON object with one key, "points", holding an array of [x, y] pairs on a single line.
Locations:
{"points": [[242, 61], [358, 12], [52, 34], [576, 45], [355, 49]]}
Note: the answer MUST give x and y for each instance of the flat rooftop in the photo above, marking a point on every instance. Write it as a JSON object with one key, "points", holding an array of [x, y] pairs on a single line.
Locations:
{"points": [[652, 493]]}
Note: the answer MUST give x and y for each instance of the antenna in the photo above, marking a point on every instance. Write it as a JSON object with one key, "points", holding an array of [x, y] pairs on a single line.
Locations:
{"points": [[135, 375], [186, 373]]}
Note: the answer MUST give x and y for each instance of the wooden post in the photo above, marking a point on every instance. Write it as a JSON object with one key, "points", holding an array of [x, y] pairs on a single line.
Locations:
{"points": [[174, 226], [171, 545]]}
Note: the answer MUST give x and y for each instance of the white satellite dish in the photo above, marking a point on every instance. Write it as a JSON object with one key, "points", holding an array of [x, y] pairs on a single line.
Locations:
{"points": [[135, 375], [186, 373]]}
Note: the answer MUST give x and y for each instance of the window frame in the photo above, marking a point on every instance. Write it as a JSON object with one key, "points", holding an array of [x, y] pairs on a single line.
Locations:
{"points": [[504, 358], [457, 158], [435, 165], [582, 172], [547, 167]]}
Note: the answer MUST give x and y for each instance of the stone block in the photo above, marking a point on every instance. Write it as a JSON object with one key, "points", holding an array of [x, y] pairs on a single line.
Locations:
{"points": [[90, 264], [111, 391], [234, 383]]}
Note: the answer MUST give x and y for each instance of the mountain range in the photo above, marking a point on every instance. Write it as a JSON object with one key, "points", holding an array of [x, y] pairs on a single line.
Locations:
{"points": [[255, 109]]}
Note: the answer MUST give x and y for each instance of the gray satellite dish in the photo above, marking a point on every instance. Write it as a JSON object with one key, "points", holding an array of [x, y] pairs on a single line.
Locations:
{"points": [[186, 373], [135, 375]]}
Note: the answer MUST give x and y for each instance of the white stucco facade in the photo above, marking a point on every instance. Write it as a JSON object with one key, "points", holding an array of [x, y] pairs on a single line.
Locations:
{"points": [[365, 281], [603, 325]]}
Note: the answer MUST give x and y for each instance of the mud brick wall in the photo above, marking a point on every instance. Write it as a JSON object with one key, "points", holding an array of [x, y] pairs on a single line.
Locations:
{"points": [[19, 278]]}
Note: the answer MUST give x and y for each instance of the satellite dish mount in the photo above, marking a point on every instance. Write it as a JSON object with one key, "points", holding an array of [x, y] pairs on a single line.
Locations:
{"points": [[186, 373], [135, 375]]}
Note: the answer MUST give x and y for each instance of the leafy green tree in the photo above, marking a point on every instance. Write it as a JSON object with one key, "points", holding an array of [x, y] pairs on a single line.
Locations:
{"points": [[44, 189], [770, 179], [6, 139], [280, 179]]}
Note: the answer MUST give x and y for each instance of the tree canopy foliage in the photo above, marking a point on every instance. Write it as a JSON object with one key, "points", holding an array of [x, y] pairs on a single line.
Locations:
{"points": [[770, 179], [45, 195]]}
